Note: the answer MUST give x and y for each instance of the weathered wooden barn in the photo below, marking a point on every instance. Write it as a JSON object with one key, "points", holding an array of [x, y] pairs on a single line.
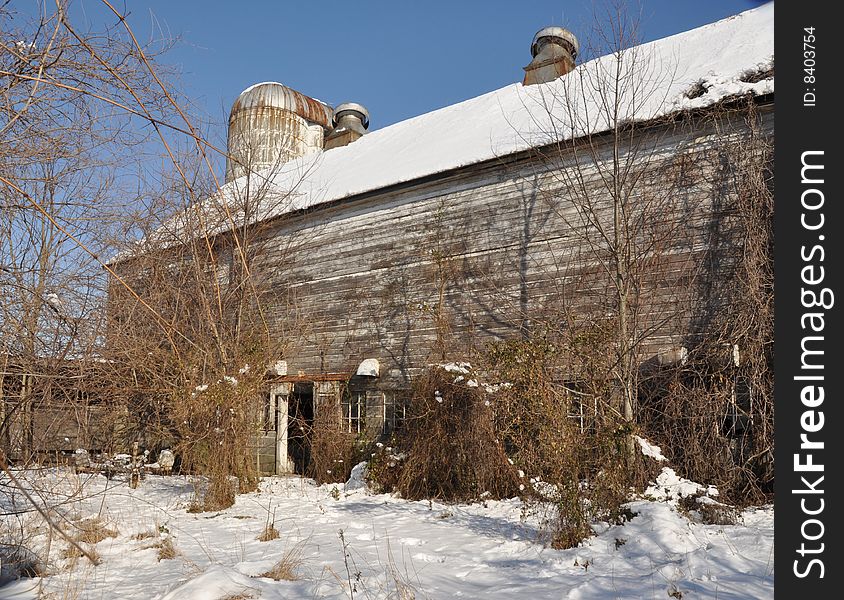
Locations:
{"points": [[388, 250]]}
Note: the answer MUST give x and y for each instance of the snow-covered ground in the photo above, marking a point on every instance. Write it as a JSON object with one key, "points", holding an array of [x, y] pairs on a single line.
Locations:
{"points": [[389, 547]]}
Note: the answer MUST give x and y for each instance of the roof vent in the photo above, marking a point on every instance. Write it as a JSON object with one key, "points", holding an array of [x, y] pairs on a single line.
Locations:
{"points": [[350, 122], [554, 50]]}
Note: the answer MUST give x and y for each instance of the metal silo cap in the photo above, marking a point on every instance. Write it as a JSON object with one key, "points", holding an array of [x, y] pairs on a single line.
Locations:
{"points": [[352, 107], [560, 33]]}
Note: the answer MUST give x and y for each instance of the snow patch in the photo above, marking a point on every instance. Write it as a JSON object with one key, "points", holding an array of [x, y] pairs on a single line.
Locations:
{"points": [[279, 368], [651, 450], [370, 367], [357, 478], [53, 300], [494, 388], [488, 550], [462, 368], [214, 584], [671, 487]]}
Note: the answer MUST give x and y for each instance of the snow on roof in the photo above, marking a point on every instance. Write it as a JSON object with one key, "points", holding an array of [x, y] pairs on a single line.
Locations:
{"points": [[713, 60]]}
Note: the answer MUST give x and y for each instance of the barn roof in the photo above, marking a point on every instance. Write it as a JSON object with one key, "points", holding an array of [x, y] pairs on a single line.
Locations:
{"points": [[693, 69]]}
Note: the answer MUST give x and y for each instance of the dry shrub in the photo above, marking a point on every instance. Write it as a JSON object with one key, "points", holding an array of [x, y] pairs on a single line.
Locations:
{"points": [[166, 549], [93, 531], [286, 568], [333, 452], [570, 445], [216, 424], [221, 491], [584, 476], [448, 448], [269, 533]]}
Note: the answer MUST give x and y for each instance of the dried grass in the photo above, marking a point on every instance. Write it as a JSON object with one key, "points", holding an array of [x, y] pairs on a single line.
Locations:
{"points": [[403, 589], [93, 531], [73, 554], [166, 549], [269, 533], [286, 568], [145, 535]]}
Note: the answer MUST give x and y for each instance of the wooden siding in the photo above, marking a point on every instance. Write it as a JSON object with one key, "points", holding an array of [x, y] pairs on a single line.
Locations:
{"points": [[362, 278]]}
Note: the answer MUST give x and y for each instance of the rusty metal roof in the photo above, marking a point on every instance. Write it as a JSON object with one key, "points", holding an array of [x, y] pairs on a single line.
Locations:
{"points": [[275, 95]]}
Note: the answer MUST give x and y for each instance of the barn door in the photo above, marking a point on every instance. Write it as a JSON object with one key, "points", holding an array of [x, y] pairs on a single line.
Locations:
{"points": [[300, 415], [327, 403]]}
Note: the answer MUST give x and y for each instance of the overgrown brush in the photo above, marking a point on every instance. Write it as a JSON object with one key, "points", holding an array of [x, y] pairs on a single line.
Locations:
{"points": [[334, 452], [570, 444], [449, 448], [714, 413], [216, 424], [709, 431]]}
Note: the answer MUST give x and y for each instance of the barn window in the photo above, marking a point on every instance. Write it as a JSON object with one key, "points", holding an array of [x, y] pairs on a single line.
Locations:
{"points": [[353, 408], [395, 412], [581, 407]]}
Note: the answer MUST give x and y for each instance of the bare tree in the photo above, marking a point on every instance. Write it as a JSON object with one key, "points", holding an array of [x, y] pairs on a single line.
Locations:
{"points": [[71, 104], [606, 193], [74, 103], [669, 217], [207, 309]]}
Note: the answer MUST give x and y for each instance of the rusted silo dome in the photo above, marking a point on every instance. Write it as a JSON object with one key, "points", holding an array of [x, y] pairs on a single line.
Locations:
{"points": [[270, 124]]}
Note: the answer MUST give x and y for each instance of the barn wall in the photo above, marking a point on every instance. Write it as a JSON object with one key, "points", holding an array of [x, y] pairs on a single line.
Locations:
{"points": [[429, 269]]}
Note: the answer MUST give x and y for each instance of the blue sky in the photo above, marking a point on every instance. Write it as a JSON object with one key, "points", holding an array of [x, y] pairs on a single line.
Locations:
{"points": [[399, 59]]}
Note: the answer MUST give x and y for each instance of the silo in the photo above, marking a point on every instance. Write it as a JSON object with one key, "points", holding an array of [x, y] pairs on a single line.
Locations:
{"points": [[271, 124]]}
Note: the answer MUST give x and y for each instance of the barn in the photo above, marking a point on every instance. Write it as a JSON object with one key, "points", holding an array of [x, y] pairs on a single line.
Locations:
{"points": [[382, 252]]}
